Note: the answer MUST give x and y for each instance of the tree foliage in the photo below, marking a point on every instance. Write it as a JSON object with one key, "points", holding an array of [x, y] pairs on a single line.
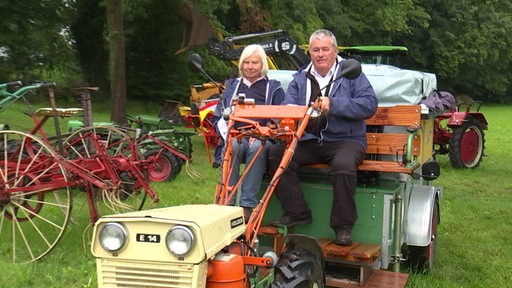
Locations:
{"points": [[469, 43], [465, 43], [36, 43]]}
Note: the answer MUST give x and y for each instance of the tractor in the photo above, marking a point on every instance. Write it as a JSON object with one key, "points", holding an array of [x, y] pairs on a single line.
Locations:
{"points": [[214, 245]]}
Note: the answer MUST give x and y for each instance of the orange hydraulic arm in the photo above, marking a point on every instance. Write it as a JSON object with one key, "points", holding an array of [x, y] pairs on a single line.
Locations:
{"points": [[291, 123]]}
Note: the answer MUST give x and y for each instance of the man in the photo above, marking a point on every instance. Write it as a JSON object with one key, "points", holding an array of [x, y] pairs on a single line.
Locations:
{"points": [[340, 141]]}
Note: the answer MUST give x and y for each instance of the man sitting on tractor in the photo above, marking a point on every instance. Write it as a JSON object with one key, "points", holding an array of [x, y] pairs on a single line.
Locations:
{"points": [[337, 137]]}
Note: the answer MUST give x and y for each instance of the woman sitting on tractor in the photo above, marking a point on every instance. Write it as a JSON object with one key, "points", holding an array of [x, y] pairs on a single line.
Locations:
{"points": [[254, 84]]}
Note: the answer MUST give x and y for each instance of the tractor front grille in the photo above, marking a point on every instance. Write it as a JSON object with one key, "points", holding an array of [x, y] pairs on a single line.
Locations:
{"points": [[113, 273]]}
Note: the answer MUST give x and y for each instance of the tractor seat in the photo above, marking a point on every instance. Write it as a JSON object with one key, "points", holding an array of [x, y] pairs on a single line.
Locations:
{"points": [[61, 112]]}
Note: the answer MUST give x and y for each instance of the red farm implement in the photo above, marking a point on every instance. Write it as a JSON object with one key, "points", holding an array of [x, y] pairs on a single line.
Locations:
{"points": [[41, 176]]}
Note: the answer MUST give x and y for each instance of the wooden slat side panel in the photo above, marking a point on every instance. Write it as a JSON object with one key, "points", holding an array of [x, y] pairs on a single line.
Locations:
{"points": [[391, 144], [375, 165], [379, 279], [401, 115], [385, 166]]}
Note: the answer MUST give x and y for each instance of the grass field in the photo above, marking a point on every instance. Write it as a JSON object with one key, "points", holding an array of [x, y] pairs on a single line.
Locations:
{"points": [[473, 248]]}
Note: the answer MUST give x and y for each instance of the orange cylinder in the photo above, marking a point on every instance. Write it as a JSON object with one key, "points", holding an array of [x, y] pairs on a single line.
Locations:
{"points": [[226, 271]]}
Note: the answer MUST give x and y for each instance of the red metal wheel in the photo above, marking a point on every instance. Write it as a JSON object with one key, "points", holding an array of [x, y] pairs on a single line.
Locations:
{"points": [[467, 144], [164, 165], [35, 197]]}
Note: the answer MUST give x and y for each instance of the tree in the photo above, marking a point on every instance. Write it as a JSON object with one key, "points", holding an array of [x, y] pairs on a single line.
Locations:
{"points": [[465, 43], [117, 61], [88, 29], [153, 35], [467, 46]]}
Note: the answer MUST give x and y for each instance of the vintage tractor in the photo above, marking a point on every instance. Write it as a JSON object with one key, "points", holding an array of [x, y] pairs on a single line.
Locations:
{"points": [[198, 116], [460, 134], [213, 245], [161, 138]]}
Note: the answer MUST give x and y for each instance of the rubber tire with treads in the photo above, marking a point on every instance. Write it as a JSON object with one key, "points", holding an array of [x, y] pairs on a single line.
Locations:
{"points": [[467, 144], [298, 269]]}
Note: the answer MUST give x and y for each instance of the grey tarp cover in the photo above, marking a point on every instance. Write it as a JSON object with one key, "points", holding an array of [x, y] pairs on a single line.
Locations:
{"points": [[392, 85]]}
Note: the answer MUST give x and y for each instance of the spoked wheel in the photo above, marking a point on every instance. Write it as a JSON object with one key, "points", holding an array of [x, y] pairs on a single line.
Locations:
{"points": [[422, 258], [162, 166], [35, 197], [467, 144], [111, 156]]}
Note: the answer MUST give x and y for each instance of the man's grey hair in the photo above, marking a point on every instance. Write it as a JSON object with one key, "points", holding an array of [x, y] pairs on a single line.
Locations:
{"points": [[322, 33]]}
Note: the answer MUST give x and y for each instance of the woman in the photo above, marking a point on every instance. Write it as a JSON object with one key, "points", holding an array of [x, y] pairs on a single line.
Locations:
{"points": [[254, 83]]}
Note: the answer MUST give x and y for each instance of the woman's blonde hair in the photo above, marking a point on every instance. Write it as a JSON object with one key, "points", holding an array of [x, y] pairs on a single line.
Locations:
{"points": [[248, 51]]}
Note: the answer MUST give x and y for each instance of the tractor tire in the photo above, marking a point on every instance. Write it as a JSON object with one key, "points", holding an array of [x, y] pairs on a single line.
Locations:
{"points": [[467, 144], [422, 258], [164, 168], [298, 269]]}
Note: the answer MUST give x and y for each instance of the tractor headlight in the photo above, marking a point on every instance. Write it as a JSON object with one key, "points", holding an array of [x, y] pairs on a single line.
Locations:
{"points": [[113, 236], [179, 240]]}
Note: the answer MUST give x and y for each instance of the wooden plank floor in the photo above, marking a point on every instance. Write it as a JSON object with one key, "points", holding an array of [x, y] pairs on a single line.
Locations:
{"points": [[378, 279]]}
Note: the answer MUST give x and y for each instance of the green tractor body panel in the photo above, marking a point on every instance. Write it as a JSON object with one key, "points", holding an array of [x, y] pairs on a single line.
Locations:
{"points": [[153, 123], [374, 208], [387, 55]]}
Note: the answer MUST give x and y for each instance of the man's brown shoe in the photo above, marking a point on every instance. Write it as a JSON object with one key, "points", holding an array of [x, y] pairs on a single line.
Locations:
{"points": [[343, 238]]}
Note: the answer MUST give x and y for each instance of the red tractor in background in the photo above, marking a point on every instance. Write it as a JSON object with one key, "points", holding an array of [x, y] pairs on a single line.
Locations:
{"points": [[460, 134]]}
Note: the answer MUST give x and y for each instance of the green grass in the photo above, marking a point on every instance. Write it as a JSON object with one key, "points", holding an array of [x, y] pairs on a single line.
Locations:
{"points": [[473, 247]]}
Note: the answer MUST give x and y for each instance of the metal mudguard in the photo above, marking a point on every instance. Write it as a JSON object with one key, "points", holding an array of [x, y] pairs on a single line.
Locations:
{"points": [[419, 215], [298, 241]]}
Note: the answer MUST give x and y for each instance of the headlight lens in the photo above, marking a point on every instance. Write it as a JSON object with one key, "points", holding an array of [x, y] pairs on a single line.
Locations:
{"points": [[179, 241], [113, 236]]}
